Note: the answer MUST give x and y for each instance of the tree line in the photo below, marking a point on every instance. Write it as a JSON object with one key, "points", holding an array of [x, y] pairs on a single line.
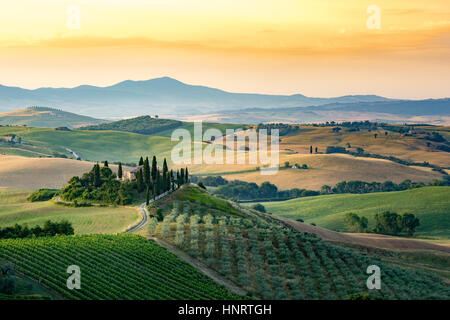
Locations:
{"points": [[49, 229], [357, 186], [242, 190], [249, 191]]}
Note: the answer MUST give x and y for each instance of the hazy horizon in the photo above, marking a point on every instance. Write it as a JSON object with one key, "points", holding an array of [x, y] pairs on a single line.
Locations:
{"points": [[199, 84]]}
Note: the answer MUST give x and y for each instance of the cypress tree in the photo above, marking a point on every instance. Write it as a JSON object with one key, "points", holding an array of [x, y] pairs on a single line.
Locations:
{"points": [[105, 164], [119, 171], [159, 182], [172, 184], [182, 176], [310, 149], [139, 180], [154, 168], [165, 168], [146, 172], [186, 178], [164, 182], [141, 161], [178, 179], [147, 196], [97, 179]]}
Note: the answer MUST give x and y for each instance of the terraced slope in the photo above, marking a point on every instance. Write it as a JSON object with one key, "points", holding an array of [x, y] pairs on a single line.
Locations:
{"points": [[272, 260]]}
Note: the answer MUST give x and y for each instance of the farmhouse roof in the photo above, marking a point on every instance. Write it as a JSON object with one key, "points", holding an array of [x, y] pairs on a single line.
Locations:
{"points": [[136, 169]]}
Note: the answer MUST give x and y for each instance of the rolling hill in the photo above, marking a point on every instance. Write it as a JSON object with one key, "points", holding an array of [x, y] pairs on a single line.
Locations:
{"points": [[45, 117], [324, 169], [267, 256], [35, 173], [14, 208], [98, 145], [430, 204]]}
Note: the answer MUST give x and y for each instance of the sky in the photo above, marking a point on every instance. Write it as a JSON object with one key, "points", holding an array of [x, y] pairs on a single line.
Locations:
{"points": [[321, 48]]}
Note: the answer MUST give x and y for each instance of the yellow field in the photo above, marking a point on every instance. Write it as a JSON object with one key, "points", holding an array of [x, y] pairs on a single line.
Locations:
{"points": [[332, 168], [325, 169], [392, 144], [35, 173]]}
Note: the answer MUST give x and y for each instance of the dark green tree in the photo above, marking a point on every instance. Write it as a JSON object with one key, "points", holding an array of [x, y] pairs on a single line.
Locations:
{"points": [[139, 181], [387, 222], [165, 167], [105, 164], [147, 196], [141, 161], [172, 180], [119, 171], [178, 179], [154, 168], [186, 175], [96, 178], [310, 149], [409, 223], [181, 176], [146, 172]]}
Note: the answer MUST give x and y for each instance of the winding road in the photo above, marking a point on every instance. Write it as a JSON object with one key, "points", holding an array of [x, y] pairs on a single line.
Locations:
{"points": [[144, 211], [144, 220]]}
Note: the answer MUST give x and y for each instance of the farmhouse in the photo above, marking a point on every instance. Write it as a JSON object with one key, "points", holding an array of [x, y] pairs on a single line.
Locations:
{"points": [[131, 173]]}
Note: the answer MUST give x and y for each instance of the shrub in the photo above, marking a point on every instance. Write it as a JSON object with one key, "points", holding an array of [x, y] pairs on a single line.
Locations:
{"points": [[43, 195]]}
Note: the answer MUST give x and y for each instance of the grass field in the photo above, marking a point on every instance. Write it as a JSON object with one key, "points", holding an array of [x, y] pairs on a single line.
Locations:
{"points": [[92, 145], [430, 204], [87, 220]]}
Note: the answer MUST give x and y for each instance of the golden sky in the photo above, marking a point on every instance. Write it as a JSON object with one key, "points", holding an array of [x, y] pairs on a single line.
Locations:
{"points": [[317, 48]]}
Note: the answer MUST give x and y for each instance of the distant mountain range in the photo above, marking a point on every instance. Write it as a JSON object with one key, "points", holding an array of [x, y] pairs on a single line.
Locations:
{"points": [[432, 111], [46, 117], [174, 99], [156, 96]]}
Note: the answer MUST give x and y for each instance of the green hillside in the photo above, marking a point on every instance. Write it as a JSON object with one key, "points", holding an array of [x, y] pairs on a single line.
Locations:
{"points": [[430, 204], [88, 145], [46, 117], [142, 125], [271, 260], [14, 208], [94, 145], [112, 267]]}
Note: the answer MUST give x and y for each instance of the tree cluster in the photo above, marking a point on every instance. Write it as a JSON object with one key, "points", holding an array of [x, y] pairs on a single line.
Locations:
{"points": [[392, 223], [100, 185], [242, 190], [49, 229]]}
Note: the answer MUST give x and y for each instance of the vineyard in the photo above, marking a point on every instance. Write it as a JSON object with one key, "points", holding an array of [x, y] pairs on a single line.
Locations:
{"points": [[112, 267], [272, 261]]}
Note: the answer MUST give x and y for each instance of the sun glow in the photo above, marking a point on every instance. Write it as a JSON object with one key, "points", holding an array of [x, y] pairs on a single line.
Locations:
{"points": [[284, 46]]}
